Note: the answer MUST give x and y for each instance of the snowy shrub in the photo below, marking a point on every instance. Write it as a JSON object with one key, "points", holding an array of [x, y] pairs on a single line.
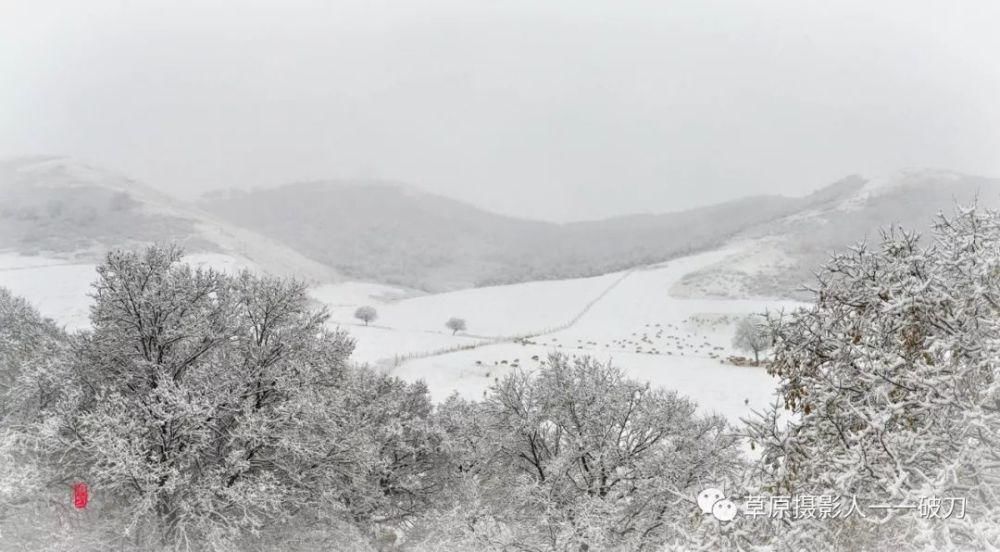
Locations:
{"points": [[891, 377]]}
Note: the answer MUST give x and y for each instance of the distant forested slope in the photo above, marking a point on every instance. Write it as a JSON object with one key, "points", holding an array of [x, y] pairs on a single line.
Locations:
{"points": [[393, 234]]}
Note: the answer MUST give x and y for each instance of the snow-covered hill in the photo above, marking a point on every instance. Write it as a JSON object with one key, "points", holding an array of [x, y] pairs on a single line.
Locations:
{"points": [[66, 211], [397, 235], [781, 256], [394, 234]]}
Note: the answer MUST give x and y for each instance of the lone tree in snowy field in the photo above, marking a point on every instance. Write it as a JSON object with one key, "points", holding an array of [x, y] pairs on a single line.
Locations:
{"points": [[752, 336], [455, 325], [366, 314]]}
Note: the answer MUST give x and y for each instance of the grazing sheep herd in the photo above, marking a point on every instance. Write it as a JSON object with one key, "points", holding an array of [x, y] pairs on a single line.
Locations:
{"points": [[704, 335]]}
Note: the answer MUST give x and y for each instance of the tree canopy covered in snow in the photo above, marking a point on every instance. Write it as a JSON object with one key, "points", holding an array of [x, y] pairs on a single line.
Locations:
{"points": [[205, 407], [891, 378], [577, 456]]}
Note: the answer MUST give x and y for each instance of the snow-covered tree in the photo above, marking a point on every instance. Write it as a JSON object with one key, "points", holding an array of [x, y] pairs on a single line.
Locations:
{"points": [[752, 336], [207, 408], [891, 379], [579, 457], [31, 351], [29, 344], [366, 314], [455, 325]]}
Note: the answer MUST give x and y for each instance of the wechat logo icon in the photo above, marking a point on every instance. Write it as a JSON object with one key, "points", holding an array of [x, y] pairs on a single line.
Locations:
{"points": [[712, 501]]}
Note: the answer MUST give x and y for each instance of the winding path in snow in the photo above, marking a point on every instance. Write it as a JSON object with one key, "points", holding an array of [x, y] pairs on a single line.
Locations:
{"points": [[670, 272]]}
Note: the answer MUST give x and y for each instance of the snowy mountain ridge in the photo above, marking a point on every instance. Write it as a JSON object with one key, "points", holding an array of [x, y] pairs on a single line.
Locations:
{"points": [[395, 234]]}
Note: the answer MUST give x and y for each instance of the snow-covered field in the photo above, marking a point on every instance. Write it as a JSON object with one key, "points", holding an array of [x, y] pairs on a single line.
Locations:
{"points": [[58, 288], [628, 318], [677, 341], [491, 311], [412, 324]]}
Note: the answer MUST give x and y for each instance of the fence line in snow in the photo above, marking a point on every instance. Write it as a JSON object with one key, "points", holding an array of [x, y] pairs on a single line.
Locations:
{"points": [[398, 360]]}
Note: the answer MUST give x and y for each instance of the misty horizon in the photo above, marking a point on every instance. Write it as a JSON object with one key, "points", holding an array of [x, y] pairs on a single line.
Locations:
{"points": [[599, 109], [409, 186]]}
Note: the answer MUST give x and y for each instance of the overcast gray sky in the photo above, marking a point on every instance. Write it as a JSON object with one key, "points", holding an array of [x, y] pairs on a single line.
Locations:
{"points": [[565, 109]]}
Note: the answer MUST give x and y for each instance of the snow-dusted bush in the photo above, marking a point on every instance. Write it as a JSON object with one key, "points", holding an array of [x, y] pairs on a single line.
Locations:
{"points": [[892, 380]]}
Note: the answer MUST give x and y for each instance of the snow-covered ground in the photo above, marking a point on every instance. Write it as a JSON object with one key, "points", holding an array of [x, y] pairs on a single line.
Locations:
{"points": [[491, 311], [58, 288], [676, 343], [734, 276], [628, 318], [410, 323]]}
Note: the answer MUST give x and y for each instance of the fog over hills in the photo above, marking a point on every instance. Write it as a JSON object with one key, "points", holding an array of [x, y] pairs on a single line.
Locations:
{"points": [[52, 204], [395, 234], [60, 207]]}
